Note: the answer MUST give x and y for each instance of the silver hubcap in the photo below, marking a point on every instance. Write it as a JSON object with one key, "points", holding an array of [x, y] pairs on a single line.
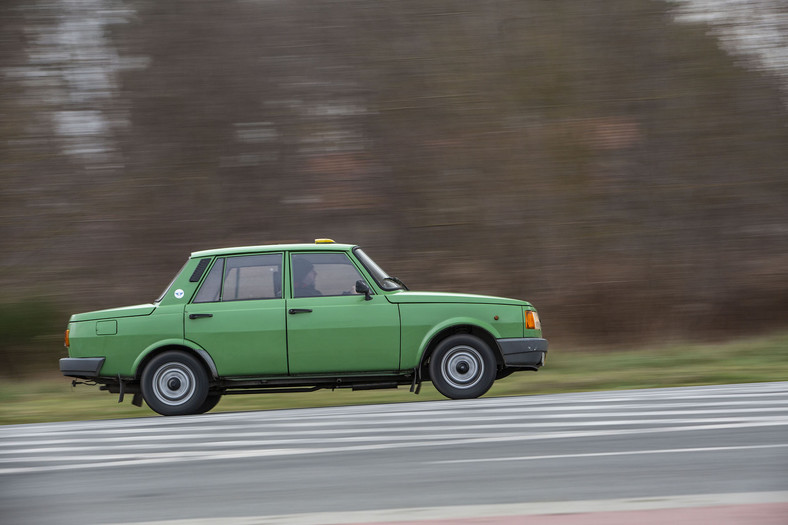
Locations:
{"points": [[174, 384], [462, 367]]}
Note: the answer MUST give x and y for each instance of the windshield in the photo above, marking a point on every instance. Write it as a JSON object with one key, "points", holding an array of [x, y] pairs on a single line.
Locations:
{"points": [[383, 279]]}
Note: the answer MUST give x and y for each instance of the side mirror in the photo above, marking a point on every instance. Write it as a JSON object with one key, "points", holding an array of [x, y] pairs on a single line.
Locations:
{"points": [[363, 287]]}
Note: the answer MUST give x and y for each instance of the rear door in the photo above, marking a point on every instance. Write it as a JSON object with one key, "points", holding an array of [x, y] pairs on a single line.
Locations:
{"points": [[238, 316]]}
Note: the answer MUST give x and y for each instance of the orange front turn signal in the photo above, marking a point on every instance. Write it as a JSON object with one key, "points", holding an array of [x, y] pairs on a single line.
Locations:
{"points": [[532, 320], [66, 342]]}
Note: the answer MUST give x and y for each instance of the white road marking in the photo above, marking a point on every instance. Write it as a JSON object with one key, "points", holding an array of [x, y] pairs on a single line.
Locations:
{"points": [[363, 435], [101, 461], [617, 453], [693, 396], [489, 511], [144, 441], [531, 414]]}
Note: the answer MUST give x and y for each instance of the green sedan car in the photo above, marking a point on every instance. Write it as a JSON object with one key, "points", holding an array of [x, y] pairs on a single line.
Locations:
{"points": [[296, 318]]}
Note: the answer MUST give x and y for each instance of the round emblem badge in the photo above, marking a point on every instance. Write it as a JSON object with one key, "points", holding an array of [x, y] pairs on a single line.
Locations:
{"points": [[179, 294]]}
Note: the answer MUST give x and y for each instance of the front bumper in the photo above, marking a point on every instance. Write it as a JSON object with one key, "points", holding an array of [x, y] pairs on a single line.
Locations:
{"points": [[523, 352], [84, 367]]}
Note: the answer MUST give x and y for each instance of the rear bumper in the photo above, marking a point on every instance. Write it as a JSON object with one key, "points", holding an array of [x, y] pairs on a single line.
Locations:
{"points": [[525, 352], [81, 366]]}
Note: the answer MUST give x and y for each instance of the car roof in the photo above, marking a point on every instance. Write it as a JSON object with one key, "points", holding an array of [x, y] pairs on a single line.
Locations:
{"points": [[304, 247]]}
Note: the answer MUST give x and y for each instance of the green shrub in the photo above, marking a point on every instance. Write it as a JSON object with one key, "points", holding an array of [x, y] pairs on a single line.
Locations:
{"points": [[32, 339]]}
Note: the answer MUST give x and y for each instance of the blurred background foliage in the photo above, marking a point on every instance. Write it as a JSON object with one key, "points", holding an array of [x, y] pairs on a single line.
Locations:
{"points": [[616, 163]]}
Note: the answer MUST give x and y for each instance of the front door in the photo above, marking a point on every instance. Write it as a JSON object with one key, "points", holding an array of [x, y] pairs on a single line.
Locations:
{"points": [[331, 328]]}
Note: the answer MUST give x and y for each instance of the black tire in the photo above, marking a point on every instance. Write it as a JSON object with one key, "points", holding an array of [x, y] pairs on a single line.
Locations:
{"points": [[175, 383], [462, 367], [211, 401]]}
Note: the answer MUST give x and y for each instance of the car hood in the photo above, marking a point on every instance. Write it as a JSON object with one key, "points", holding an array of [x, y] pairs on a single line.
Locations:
{"points": [[439, 297], [114, 313]]}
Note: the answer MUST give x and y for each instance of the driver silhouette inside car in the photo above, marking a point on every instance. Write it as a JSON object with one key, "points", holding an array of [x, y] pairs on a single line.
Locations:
{"points": [[304, 275]]}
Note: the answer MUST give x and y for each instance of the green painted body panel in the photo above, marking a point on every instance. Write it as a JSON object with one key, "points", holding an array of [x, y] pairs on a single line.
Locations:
{"points": [[343, 334], [158, 345], [444, 298], [421, 322], [134, 334], [182, 289], [113, 313], [329, 335], [107, 327], [244, 338]]}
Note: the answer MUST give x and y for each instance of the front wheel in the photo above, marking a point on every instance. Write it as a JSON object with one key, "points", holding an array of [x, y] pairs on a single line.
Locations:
{"points": [[175, 383], [462, 367]]}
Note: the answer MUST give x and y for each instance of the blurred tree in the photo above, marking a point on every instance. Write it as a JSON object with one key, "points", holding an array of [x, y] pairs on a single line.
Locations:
{"points": [[617, 168]]}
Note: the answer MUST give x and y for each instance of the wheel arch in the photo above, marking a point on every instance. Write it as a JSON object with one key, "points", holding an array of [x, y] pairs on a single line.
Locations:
{"points": [[460, 328], [174, 344]]}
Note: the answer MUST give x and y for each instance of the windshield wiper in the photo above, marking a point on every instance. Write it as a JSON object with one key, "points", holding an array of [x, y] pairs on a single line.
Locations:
{"points": [[396, 281]]}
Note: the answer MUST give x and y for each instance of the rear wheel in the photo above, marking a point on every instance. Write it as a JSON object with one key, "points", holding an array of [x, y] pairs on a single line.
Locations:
{"points": [[175, 383], [462, 367]]}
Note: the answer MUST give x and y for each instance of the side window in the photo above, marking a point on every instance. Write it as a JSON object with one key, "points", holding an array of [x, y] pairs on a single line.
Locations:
{"points": [[252, 277], [242, 278], [323, 274], [212, 286]]}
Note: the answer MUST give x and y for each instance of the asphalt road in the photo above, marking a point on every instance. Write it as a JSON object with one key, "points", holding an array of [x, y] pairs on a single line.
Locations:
{"points": [[617, 451]]}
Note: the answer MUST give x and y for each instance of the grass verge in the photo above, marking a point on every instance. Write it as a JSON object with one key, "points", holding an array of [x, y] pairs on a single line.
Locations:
{"points": [[567, 370]]}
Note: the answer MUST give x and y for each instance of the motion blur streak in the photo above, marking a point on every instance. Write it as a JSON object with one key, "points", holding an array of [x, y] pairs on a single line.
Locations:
{"points": [[621, 163]]}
